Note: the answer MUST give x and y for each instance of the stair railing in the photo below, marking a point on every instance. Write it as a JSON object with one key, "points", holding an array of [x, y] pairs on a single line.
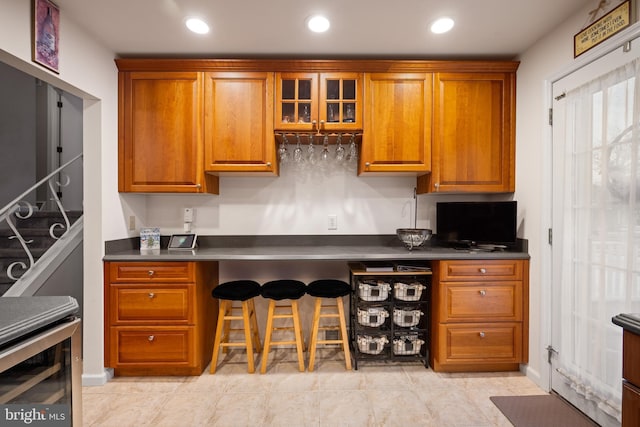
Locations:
{"points": [[23, 209]]}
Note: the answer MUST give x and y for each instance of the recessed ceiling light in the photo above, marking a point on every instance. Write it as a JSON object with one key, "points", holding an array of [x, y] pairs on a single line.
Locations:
{"points": [[197, 25], [318, 24], [442, 25]]}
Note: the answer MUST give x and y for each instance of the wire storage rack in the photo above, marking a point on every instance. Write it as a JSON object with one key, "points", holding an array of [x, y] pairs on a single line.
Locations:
{"points": [[390, 314]]}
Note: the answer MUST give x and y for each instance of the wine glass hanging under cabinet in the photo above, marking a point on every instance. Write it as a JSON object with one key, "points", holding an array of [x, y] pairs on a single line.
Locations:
{"points": [[311, 102]]}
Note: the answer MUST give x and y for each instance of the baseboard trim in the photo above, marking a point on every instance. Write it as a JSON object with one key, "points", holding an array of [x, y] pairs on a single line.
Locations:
{"points": [[94, 380], [534, 376]]}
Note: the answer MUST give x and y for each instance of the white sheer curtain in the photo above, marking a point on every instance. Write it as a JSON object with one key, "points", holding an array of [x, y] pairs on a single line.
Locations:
{"points": [[600, 236]]}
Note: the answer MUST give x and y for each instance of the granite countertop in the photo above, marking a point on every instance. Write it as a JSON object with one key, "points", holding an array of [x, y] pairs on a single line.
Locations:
{"points": [[328, 248], [628, 322]]}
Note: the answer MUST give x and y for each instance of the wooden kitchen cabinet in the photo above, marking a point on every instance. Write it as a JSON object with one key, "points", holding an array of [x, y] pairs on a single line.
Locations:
{"points": [[238, 130], [397, 123], [322, 102], [159, 317], [480, 315], [631, 379], [473, 133], [183, 122], [160, 133]]}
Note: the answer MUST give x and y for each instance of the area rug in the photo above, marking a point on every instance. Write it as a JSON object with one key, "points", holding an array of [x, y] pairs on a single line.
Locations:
{"points": [[548, 410]]}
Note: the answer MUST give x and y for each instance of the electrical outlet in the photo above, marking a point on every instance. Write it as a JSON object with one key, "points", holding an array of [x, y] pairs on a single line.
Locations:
{"points": [[333, 222], [132, 222]]}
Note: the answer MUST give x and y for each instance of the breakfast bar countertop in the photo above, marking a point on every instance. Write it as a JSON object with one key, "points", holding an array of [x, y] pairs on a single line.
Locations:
{"points": [[323, 247]]}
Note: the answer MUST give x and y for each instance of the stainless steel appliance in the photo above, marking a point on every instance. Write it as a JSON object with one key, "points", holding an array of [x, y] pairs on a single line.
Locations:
{"points": [[40, 362]]}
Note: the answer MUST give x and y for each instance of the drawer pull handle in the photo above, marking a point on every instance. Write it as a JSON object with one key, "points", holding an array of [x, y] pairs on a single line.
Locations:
{"points": [[482, 292], [481, 334], [483, 270], [151, 338], [151, 295], [151, 273]]}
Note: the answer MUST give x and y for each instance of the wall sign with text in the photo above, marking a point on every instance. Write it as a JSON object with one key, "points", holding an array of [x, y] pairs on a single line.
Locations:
{"points": [[611, 23]]}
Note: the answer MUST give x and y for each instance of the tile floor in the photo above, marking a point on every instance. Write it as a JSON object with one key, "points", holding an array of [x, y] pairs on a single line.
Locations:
{"points": [[374, 395]]}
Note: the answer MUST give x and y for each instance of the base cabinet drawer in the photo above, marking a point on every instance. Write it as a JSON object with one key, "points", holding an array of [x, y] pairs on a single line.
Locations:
{"points": [[152, 345], [135, 304], [152, 272], [481, 270], [482, 342], [480, 302]]}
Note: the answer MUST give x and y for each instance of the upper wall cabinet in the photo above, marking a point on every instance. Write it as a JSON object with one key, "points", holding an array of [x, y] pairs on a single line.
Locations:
{"points": [[474, 134], [160, 133], [310, 102], [183, 122], [238, 124], [397, 124]]}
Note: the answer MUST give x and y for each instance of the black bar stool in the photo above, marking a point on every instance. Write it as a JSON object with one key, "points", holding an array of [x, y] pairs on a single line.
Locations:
{"points": [[334, 290], [227, 293], [279, 290]]}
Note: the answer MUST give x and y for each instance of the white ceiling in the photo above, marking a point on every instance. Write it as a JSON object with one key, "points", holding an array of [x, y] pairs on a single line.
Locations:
{"points": [[359, 28]]}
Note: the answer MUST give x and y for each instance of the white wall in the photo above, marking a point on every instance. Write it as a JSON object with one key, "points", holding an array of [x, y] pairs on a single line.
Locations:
{"points": [[87, 70], [296, 202], [18, 132], [547, 60]]}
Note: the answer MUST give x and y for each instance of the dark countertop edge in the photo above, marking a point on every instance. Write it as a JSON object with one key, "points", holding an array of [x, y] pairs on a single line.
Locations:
{"points": [[301, 247], [628, 322], [20, 316], [265, 241]]}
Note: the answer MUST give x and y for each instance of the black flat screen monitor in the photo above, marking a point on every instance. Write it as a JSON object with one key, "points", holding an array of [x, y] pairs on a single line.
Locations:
{"points": [[477, 222]]}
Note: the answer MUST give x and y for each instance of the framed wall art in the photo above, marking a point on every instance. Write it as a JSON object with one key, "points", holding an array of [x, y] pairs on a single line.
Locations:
{"points": [[46, 34]]}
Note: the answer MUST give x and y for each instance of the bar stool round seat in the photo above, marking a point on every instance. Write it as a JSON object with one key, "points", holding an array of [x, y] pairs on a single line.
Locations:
{"points": [[237, 290], [328, 288], [243, 291], [323, 290], [284, 289], [276, 291]]}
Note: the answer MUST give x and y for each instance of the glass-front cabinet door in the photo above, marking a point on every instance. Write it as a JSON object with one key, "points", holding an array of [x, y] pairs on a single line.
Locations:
{"points": [[296, 101], [318, 102], [341, 101]]}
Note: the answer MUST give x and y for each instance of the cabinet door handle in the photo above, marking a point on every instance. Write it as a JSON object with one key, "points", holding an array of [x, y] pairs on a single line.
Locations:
{"points": [[482, 270], [367, 164], [151, 273], [436, 186], [151, 338], [269, 164], [482, 292], [481, 334], [151, 295], [198, 185]]}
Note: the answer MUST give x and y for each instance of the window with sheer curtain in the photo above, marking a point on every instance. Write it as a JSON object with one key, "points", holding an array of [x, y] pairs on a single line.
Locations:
{"points": [[600, 236]]}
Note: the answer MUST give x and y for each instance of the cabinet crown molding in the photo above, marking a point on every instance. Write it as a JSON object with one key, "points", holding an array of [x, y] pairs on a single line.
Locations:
{"points": [[315, 65]]}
